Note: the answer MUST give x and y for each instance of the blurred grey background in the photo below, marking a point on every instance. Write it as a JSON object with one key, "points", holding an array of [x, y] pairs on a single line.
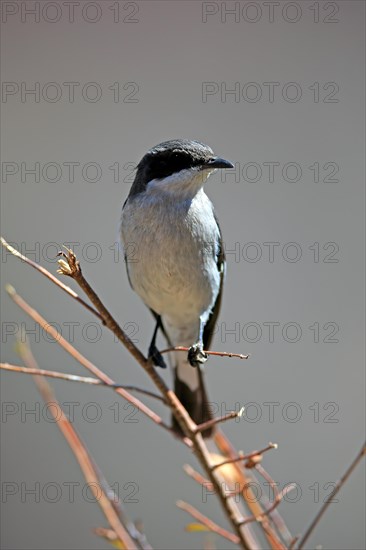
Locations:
{"points": [[276, 87]]}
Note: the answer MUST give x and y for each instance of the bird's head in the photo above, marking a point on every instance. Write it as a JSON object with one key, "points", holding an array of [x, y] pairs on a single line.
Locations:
{"points": [[178, 166]]}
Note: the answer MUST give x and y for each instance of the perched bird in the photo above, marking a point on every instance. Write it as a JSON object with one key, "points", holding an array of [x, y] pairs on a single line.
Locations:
{"points": [[179, 263]]}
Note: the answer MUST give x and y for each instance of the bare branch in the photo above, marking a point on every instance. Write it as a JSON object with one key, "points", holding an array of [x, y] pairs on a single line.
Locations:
{"points": [[249, 456], [81, 454], [191, 472], [51, 374], [211, 525], [278, 495], [330, 497], [208, 352], [75, 378], [275, 517], [49, 275], [202, 427], [70, 267]]}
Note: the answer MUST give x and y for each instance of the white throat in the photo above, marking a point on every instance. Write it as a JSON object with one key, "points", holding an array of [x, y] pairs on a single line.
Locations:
{"points": [[182, 185]]}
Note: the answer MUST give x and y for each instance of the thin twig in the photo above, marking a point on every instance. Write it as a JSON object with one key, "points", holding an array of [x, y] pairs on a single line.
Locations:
{"points": [[81, 454], [330, 497], [249, 456], [271, 511], [148, 393], [52, 374], [49, 275], [211, 525], [233, 414], [277, 501], [191, 472], [70, 267], [208, 352], [75, 378], [278, 495]]}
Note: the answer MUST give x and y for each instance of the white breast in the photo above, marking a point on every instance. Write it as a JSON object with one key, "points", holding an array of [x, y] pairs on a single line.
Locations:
{"points": [[176, 242]]}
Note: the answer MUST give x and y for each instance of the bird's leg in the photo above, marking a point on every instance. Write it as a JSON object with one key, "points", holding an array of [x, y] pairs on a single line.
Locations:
{"points": [[154, 353], [196, 355]]}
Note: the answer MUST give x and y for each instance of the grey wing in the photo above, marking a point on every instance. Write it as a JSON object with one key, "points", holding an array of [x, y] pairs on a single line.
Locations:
{"points": [[210, 325], [128, 275], [124, 249]]}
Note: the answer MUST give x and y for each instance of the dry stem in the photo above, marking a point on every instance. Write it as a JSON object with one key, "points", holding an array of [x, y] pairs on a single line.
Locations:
{"points": [[81, 454], [211, 525]]}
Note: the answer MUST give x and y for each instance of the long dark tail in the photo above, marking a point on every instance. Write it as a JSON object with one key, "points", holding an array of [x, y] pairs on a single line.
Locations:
{"points": [[195, 402]]}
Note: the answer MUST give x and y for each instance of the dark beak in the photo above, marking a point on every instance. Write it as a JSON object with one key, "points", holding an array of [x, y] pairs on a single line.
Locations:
{"points": [[217, 162]]}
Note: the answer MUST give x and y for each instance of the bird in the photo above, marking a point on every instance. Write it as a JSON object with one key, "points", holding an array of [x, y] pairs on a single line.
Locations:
{"points": [[178, 265]]}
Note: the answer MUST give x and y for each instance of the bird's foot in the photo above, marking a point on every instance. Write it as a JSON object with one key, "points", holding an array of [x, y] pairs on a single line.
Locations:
{"points": [[156, 357], [196, 355]]}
